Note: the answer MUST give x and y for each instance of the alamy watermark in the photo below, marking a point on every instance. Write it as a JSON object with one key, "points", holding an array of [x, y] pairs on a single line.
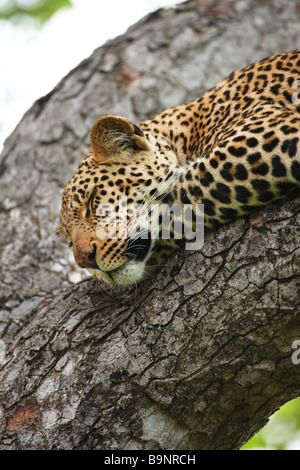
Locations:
{"points": [[296, 94], [296, 353], [155, 221]]}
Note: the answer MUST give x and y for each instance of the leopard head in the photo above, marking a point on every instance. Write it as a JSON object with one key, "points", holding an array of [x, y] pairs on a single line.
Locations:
{"points": [[106, 204]]}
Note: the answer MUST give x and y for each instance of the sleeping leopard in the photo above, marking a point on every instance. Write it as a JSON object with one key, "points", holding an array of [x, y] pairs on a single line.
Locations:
{"points": [[224, 155]]}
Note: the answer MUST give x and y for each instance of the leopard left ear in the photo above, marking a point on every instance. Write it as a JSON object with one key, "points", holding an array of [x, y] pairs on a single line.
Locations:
{"points": [[115, 137]]}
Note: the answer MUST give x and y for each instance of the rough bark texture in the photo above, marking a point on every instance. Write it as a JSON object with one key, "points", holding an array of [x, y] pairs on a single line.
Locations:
{"points": [[197, 357]]}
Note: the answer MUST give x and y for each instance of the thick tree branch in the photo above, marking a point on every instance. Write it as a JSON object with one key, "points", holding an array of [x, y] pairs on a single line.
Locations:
{"points": [[201, 354], [196, 358]]}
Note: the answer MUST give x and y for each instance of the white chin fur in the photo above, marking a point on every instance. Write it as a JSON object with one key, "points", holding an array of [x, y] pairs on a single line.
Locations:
{"points": [[127, 274]]}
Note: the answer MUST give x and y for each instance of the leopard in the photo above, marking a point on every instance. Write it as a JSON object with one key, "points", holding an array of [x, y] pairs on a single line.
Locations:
{"points": [[230, 152]]}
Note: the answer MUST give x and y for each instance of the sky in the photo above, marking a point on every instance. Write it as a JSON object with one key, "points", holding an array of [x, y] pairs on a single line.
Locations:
{"points": [[34, 60]]}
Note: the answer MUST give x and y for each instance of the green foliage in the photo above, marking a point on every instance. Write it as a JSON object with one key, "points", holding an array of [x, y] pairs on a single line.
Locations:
{"points": [[39, 10], [282, 429]]}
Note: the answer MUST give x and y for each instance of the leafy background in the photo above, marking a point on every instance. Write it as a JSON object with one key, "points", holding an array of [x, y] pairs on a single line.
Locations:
{"points": [[39, 10], [25, 20]]}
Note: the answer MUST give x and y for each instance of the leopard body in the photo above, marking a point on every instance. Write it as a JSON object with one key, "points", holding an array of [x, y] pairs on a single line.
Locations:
{"points": [[233, 150]]}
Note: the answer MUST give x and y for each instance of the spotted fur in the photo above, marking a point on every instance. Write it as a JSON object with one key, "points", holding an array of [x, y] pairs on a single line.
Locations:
{"points": [[234, 150]]}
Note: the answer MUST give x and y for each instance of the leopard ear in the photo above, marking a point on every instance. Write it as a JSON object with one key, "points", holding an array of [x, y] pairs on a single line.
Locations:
{"points": [[115, 137]]}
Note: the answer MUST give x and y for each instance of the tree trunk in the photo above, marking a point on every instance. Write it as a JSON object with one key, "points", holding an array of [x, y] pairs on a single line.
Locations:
{"points": [[197, 357]]}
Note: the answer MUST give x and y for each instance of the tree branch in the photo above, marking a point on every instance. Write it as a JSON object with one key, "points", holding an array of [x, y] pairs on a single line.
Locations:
{"points": [[199, 355], [197, 358]]}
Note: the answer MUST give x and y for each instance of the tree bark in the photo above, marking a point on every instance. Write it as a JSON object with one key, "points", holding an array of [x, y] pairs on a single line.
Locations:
{"points": [[200, 355]]}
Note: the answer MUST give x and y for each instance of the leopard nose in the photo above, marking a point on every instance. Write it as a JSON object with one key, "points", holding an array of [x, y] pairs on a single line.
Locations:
{"points": [[85, 258]]}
